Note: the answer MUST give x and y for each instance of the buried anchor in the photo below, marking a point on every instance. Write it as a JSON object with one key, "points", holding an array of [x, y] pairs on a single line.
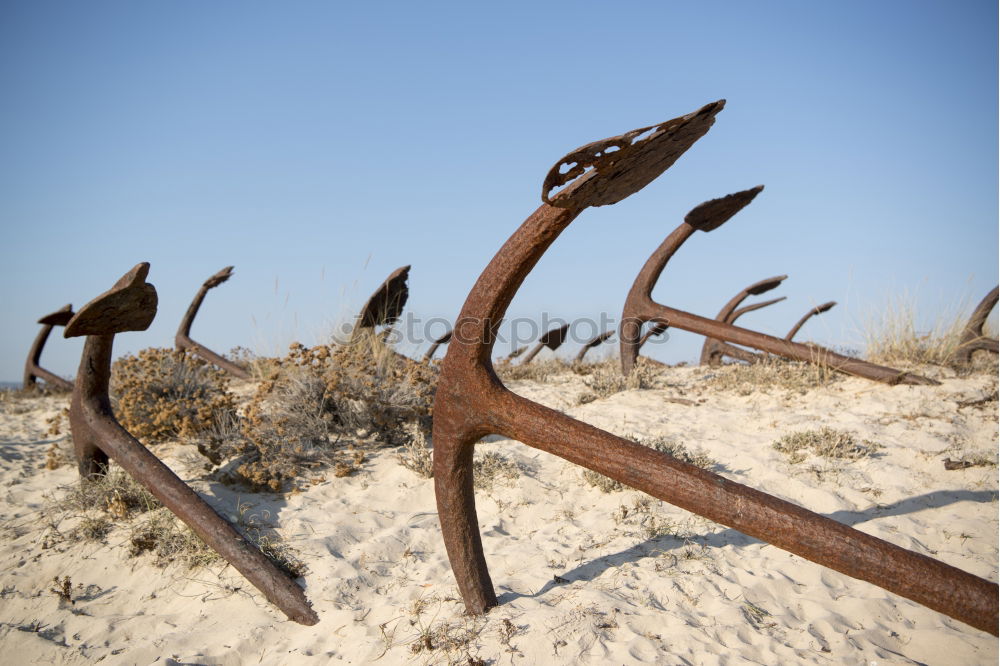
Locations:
{"points": [[182, 340], [713, 350], [974, 337], [471, 403], [32, 369], [640, 307], [130, 305]]}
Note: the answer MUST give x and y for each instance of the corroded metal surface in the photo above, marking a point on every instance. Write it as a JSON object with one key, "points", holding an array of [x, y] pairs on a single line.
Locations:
{"points": [[819, 309], [713, 350], [471, 403], [386, 304], [130, 306], [443, 340], [973, 336], [552, 339], [32, 369], [182, 340], [605, 172], [640, 307], [590, 344]]}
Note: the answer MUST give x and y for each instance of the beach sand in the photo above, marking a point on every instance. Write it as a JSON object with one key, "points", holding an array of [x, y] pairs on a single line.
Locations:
{"points": [[583, 576]]}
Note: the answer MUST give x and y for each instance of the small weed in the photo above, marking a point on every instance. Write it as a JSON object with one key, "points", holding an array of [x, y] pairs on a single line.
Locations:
{"points": [[268, 541], [63, 589], [114, 493], [58, 454], [491, 468], [539, 371], [825, 442], [756, 616]]}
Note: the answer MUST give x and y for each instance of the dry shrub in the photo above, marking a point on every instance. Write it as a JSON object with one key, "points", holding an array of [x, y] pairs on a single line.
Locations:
{"points": [[416, 453], [114, 492], [825, 442], [605, 378], [59, 453], [376, 392], [283, 433], [261, 368], [164, 394], [162, 534], [322, 403], [772, 374], [663, 444]]}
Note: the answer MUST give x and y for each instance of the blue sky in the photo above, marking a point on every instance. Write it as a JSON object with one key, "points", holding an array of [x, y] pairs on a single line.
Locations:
{"points": [[317, 147]]}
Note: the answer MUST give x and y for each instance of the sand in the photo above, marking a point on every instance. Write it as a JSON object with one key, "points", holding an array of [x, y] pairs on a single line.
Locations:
{"points": [[583, 576]]}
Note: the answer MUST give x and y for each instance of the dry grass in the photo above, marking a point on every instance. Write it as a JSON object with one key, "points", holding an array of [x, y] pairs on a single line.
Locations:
{"points": [[770, 375], [98, 506], [605, 378], [893, 337], [536, 371]]}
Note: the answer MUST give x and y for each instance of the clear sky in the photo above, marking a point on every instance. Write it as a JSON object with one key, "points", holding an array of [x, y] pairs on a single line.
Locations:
{"points": [[318, 146]]}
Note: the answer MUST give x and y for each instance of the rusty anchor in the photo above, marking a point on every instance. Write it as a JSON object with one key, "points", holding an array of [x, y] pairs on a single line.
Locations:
{"points": [[640, 307], [443, 340], [713, 350], [471, 403], [973, 336], [819, 309], [751, 357], [552, 339], [385, 305], [590, 344], [657, 329], [738, 352], [130, 305], [182, 340], [32, 369]]}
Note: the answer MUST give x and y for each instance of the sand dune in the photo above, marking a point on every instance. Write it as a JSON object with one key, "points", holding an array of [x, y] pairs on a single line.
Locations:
{"points": [[583, 576]]}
